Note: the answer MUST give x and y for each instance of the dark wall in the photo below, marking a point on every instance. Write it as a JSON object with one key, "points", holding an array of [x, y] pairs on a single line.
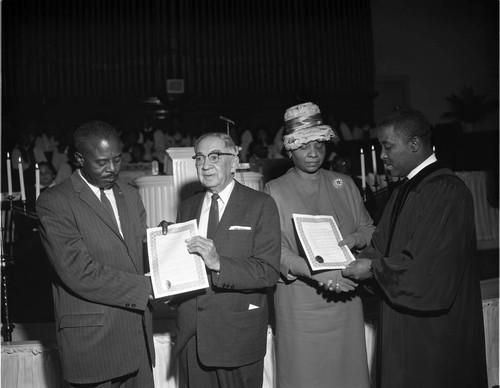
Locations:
{"points": [[57, 50]]}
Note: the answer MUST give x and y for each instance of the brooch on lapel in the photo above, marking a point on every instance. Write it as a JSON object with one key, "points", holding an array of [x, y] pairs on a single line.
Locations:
{"points": [[337, 183]]}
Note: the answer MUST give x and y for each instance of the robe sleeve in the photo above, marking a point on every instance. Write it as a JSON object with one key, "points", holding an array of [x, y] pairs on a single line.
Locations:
{"points": [[364, 223], [425, 274]]}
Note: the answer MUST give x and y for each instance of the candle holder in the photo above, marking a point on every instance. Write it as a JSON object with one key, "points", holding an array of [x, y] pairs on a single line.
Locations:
{"points": [[375, 183], [10, 198], [363, 193], [6, 263]]}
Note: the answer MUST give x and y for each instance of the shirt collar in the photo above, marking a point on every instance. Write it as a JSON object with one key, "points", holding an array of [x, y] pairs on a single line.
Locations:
{"points": [[95, 189], [431, 159], [224, 194]]}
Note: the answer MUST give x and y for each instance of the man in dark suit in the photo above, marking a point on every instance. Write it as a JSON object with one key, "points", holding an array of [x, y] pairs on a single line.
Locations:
{"points": [[222, 332], [92, 227]]}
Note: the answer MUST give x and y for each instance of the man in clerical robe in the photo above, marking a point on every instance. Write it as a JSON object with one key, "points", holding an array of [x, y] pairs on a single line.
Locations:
{"points": [[423, 259]]}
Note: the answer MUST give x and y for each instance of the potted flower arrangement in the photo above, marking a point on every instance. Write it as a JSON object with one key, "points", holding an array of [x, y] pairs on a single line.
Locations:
{"points": [[468, 108]]}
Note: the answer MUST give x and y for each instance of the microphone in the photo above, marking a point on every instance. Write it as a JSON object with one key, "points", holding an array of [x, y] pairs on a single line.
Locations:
{"points": [[226, 120]]}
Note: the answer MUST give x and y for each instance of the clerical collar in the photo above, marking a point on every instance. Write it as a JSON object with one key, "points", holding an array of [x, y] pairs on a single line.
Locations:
{"points": [[431, 159]]}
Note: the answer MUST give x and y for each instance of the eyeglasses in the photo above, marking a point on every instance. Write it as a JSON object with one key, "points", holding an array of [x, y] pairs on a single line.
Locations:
{"points": [[213, 157]]}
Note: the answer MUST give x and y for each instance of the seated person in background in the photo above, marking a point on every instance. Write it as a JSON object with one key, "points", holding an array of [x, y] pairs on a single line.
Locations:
{"points": [[259, 148], [276, 150], [246, 140], [47, 175], [137, 153], [67, 168]]}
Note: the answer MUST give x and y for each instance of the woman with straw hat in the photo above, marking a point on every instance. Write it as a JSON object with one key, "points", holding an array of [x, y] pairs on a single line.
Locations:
{"points": [[320, 339]]}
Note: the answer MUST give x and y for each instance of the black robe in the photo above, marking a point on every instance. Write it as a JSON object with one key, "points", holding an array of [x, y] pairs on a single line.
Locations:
{"points": [[432, 332]]}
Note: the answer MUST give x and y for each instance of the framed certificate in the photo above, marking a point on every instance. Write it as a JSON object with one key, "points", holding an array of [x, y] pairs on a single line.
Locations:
{"points": [[320, 236], [173, 269]]}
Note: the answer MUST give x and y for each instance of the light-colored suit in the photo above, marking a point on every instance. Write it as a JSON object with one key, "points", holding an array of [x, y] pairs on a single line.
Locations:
{"points": [[230, 319], [102, 315]]}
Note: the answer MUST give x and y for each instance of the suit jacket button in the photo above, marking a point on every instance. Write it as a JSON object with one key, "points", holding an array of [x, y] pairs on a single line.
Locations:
{"points": [[127, 305], [200, 309], [133, 304]]}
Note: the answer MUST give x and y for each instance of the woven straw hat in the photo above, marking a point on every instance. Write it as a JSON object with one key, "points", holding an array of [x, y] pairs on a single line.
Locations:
{"points": [[303, 124]]}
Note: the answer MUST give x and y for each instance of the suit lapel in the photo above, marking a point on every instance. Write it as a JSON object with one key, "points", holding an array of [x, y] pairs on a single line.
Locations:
{"points": [[88, 197], [126, 222], [232, 213], [195, 211]]}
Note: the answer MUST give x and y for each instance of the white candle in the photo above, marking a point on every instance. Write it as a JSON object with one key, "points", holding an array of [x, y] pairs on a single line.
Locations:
{"points": [[363, 171], [374, 162], [9, 175], [37, 181], [21, 180]]}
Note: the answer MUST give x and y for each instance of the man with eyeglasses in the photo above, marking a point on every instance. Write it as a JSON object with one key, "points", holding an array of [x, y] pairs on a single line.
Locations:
{"points": [[222, 331]]}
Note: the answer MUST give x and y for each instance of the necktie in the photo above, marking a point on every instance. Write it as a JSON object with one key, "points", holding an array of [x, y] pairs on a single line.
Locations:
{"points": [[107, 204], [213, 217]]}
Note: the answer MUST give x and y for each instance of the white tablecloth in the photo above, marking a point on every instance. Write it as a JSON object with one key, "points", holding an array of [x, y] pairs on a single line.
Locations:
{"points": [[31, 364], [486, 216], [35, 364], [490, 316]]}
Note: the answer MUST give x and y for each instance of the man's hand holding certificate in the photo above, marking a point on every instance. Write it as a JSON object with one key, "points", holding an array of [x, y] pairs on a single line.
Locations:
{"points": [[320, 237], [173, 269]]}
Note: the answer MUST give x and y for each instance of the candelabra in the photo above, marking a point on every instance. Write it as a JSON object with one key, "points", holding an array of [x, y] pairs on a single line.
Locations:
{"points": [[7, 261]]}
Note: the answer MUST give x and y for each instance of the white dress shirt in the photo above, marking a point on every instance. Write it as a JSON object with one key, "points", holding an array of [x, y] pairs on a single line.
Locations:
{"points": [[111, 196], [207, 202]]}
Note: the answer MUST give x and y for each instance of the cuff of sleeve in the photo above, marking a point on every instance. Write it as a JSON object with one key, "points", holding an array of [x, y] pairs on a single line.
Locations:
{"points": [[299, 268], [360, 240], [374, 266], [215, 277]]}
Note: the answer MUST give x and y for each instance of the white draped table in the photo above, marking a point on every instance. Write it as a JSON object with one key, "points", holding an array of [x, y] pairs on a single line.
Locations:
{"points": [[485, 216], [490, 316], [35, 364]]}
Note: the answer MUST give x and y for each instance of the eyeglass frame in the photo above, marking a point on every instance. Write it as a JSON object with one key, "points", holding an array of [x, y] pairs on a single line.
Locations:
{"points": [[217, 154]]}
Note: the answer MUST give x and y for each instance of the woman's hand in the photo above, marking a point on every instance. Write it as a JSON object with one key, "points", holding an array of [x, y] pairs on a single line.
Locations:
{"points": [[334, 281]]}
